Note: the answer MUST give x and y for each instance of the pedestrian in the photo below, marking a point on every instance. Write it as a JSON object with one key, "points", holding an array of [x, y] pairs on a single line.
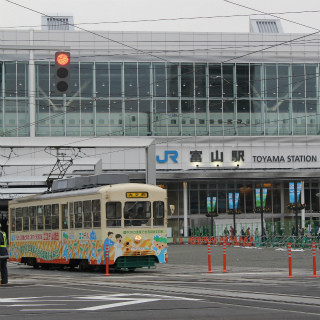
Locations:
{"points": [[3, 257], [256, 234], [248, 233]]}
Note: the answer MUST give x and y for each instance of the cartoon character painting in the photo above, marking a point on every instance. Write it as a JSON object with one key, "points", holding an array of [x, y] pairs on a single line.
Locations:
{"points": [[93, 251], [65, 246], [159, 246], [118, 247], [99, 255], [108, 242]]}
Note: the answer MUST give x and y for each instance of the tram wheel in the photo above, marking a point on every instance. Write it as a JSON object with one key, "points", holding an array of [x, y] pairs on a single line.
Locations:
{"points": [[83, 265]]}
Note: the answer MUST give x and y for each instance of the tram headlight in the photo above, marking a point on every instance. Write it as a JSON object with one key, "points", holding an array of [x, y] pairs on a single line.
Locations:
{"points": [[137, 238]]}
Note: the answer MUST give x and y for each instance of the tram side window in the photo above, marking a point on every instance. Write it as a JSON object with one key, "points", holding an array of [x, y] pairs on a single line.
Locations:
{"points": [[78, 215], [55, 216], [113, 214], [96, 211], [47, 217], [64, 208], [87, 214], [32, 214], [19, 219], [158, 213], [71, 214], [26, 221], [137, 213], [13, 220], [40, 217]]}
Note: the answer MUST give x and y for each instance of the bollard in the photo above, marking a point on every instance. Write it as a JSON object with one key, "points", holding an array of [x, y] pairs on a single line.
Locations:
{"points": [[314, 260], [290, 261], [107, 261], [224, 258], [209, 259]]}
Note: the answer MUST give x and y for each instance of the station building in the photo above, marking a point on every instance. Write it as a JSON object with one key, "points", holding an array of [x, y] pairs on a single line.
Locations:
{"points": [[220, 113]]}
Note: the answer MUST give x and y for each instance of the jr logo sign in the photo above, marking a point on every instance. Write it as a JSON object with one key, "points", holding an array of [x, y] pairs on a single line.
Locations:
{"points": [[172, 154]]}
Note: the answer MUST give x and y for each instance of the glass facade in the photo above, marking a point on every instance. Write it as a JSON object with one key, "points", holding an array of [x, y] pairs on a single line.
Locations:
{"points": [[14, 101], [199, 191], [163, 99]]}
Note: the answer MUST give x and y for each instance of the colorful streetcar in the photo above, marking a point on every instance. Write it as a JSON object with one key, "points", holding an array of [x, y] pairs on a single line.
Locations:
{"points": [[77, 227]]}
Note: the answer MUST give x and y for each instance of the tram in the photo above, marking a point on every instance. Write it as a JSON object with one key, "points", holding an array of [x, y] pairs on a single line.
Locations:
{"points": [[78, 226]]}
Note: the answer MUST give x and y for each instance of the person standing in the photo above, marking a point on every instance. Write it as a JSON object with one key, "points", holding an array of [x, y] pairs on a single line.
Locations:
{"points": [[256, 234], [248, 233], [3, 257]]}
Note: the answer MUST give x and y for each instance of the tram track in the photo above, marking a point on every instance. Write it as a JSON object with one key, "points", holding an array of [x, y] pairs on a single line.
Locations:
{"points": [[214, 292], [176, 287]]}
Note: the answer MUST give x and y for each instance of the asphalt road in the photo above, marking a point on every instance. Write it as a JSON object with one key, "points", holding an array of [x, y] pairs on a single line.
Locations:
{"points": [[255, 286]]}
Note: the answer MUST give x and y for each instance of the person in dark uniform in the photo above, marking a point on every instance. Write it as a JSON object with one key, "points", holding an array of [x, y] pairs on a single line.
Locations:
{"points": [[3, 257]]}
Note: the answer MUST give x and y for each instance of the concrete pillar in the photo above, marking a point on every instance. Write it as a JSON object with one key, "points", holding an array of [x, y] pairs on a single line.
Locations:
{"points": [[282, 201], [303, 211], [98, 167], [151, 175], [185, 208], [32, 89]]}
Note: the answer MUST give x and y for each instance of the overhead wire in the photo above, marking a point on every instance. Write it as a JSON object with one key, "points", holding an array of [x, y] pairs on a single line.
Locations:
{"points": [[91, 32], [171, 19]]}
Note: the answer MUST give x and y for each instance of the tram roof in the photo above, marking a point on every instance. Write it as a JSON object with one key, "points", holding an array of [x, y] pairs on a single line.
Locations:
{"points": [[129, 187]]}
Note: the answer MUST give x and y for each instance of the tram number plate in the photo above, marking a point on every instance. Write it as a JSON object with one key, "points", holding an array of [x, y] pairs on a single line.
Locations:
{"points": [[137, 194]]}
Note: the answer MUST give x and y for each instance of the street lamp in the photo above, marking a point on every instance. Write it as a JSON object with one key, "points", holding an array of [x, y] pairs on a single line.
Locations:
{"points": [[296, 206], [211, 204], [261, 197], [261, 211], [233, 205], [294, 193]]}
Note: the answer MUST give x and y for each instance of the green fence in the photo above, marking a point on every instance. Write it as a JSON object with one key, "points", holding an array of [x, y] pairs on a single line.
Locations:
{"points": [[277, 234], [281, 229]]}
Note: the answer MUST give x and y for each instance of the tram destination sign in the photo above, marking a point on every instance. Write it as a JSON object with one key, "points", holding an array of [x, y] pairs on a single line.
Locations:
{"points": [[137, 194]]}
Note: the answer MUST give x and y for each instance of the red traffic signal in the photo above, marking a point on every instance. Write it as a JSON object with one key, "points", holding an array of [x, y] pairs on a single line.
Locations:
{"points": [[62, 58], [62, 72]]}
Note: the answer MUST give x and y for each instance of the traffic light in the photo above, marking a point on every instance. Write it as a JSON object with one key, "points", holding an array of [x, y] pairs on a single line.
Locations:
{"points": [[62, 72]]}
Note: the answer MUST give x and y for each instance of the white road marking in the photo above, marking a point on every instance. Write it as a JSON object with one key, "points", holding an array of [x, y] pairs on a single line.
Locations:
{"points": [[118, 304], [118, 299], [34, 305]]}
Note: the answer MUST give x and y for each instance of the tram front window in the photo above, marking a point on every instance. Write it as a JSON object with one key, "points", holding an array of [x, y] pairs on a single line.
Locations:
{"points": [[137, 213], [113, 214]]}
